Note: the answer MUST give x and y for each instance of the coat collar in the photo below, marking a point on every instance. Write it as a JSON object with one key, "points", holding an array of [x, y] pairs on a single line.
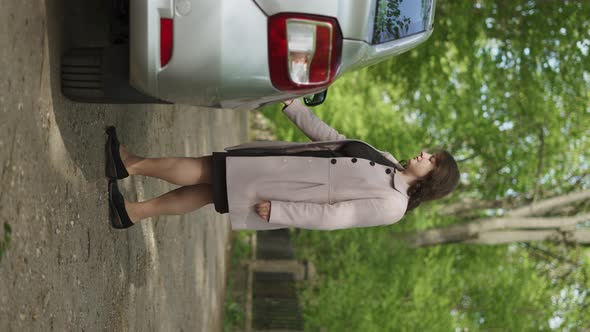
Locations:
{"points": [[400, 185]]}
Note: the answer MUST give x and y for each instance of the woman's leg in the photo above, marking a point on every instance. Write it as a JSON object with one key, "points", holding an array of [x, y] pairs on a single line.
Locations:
{"points": [[183, 171], [176, 202]]}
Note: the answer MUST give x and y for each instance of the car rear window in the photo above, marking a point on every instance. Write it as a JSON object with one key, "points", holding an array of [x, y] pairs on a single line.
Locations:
{"points": [[395, 19]]}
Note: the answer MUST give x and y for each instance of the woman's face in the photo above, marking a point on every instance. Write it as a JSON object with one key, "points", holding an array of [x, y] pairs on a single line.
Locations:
{"points": [[421, 165]]}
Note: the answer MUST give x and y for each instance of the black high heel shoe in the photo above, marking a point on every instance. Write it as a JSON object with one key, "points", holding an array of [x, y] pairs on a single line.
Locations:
{"points": [[114, 168], [117, 213]]}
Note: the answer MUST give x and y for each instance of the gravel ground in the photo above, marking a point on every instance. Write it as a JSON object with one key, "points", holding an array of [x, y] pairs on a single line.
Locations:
{"points": [[65, 268]]}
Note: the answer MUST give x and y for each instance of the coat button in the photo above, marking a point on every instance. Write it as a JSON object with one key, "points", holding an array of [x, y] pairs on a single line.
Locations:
{"points": [[372, 163], [333, 161], [388, 171], [353, 160]]}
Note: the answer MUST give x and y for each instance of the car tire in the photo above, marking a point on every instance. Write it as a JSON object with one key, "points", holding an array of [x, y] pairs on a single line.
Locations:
{"points": [[100, 75]]}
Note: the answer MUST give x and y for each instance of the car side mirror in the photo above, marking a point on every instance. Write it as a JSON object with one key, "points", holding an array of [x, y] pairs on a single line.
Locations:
{"points": [[316, 99]]}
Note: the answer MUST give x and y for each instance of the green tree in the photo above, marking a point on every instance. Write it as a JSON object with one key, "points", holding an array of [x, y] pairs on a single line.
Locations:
{"points": [[503, 85]]}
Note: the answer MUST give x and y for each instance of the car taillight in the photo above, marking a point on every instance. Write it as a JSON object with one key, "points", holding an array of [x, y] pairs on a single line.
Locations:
{"points": [[304, 51], [166, 29]]}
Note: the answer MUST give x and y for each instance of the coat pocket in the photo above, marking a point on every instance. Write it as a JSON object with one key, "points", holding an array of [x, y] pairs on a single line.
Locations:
{"points": [[294, 191]]}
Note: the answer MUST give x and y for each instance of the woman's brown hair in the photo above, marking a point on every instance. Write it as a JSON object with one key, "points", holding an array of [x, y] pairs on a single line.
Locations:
{"points": [[437, 183]]}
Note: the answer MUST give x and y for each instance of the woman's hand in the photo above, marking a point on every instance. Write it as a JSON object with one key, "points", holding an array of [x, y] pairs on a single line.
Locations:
{"points": [[263, 210]]}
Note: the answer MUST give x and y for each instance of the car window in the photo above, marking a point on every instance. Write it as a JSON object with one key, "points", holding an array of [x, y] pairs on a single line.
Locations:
{"points": [[396, 19]]}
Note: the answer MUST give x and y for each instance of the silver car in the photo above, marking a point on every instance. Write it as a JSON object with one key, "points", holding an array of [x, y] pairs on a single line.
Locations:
{"points": [[239, 54]]}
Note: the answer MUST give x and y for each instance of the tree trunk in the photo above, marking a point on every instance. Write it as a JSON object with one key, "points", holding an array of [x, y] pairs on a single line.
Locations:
{"points": [[579, 236], [518, 225], [502, 237], [477, 229], [470, 204]]}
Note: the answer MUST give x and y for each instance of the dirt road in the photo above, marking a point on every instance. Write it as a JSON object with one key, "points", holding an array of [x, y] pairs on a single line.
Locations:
{"points": [[65, 268]]}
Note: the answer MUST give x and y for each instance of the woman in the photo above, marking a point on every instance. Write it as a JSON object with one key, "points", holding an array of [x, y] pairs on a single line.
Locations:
{"points": [[329, 183]]}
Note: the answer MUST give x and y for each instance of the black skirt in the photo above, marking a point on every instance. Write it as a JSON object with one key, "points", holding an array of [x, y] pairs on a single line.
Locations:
{"points": [[219, 183]]}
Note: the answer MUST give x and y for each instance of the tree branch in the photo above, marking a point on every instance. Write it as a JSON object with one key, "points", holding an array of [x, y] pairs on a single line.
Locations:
{"points": [[580, 178], [536, 222], [467, 158], [470, 204], [502, 237], [549, 204], [550, 254]]}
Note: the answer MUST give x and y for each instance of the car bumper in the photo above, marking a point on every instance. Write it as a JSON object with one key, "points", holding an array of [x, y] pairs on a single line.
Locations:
{"points": [[219, 55]]}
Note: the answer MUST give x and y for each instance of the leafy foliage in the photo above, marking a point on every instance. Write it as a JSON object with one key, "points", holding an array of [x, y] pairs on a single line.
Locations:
{"points": [[504, 86], [382, 286]]}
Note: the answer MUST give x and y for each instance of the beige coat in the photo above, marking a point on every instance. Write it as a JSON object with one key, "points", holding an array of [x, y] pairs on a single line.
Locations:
{"points": [[312, 192]]}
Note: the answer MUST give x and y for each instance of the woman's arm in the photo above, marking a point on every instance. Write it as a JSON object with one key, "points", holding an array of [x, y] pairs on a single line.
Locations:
{"points": [[309, 123], [348, 214], [313, 127]]}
